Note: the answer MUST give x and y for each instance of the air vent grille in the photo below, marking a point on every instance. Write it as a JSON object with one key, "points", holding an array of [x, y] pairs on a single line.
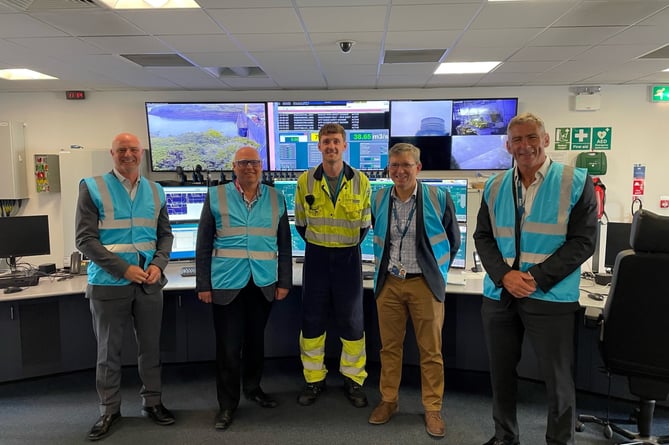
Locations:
{"points": [[413, 56], [45, 5]]}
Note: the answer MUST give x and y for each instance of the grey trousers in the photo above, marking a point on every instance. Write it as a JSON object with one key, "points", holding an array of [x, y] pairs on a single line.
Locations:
{"points": [[110, 318]]}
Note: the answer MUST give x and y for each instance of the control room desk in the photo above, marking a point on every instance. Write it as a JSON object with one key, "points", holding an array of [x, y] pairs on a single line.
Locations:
{"points": [[47, 329]]}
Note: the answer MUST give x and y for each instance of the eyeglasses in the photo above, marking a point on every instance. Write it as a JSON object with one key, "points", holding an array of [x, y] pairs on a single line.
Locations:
{"points": [[243, 163], [404, 165]]}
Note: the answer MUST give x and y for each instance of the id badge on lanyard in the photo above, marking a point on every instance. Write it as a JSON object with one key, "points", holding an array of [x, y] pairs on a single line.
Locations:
{"points": [[398, 271]]}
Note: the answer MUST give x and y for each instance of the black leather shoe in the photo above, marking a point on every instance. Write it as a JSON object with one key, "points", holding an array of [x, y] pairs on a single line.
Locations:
{"points": [[496, 441], [103, 426], [262, 399], [159, 414], [224, 419]]}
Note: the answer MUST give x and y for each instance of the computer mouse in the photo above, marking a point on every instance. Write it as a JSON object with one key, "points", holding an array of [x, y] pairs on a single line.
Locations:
{"points": [[598, 297], [12, 289]]}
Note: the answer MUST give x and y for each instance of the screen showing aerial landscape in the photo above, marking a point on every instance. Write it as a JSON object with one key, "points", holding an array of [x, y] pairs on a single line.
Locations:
{"points": [[206, 134]]}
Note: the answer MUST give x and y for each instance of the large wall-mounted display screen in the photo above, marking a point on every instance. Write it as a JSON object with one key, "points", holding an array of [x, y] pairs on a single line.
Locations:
{"points": [[294, 128], [207, 134], [452, 134], [467, 134]]}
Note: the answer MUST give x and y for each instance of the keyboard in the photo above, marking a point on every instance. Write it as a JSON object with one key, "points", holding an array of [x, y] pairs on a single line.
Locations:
{"points": [[19, 281], [188, 271]]}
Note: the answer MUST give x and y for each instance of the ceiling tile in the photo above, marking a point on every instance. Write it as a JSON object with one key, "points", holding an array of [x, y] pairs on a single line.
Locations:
{"points": [[344, 19], [260, 21], [17, 25], [199, 43], [420, 40], [90, 23], [431, 17], [641, 34], [273, 42], [129, 44], [575, 36], [547, 53], [521, 14], [172, 21], [599, 13], [498, 37]]}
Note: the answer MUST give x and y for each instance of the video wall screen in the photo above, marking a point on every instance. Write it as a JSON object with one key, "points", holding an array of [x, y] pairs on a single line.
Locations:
{"points": [[294, 128], [467, 134], [452, 134], [185, 135]]}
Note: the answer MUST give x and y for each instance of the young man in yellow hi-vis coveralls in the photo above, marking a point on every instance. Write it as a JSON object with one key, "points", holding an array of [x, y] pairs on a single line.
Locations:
{"points": [[332, 214]]}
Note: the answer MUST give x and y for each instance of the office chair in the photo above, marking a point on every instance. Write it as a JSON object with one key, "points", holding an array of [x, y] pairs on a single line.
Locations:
{"points": [[633, 334]]}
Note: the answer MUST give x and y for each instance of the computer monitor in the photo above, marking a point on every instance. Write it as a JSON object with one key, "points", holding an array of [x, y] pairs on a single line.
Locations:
{"points": [[184, 203], [367, 247], [617, 240], [381, 183], [460, 260], [185, 239], [289, 188], [23, 236], [458, 190], [299, 245]]}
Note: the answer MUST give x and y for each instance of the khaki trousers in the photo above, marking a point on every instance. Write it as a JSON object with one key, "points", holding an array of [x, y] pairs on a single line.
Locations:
{"points": [[397, 300]]}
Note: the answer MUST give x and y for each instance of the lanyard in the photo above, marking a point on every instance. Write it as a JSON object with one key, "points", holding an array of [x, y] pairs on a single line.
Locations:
{"points": [[520, 198], [406, 227]]}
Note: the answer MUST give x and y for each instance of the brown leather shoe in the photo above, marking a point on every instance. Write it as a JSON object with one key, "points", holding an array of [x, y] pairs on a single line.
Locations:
{"points": [[434, 424], [383, 412]]}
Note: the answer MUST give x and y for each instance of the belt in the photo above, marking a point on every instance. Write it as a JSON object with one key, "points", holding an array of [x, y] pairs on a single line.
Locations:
{"points": [[413, 275]]}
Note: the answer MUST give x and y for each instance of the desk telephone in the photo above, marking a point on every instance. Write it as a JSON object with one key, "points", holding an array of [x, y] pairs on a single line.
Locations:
{"points": [[478, 267]]}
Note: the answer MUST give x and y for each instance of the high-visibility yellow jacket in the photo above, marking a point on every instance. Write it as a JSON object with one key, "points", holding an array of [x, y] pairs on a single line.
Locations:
{"points": [[325, 223]]}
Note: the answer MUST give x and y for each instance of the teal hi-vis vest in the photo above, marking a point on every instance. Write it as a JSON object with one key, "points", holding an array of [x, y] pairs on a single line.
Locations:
{"points": [[245, 244], [434, 206], [126, 227], [544, 229]]}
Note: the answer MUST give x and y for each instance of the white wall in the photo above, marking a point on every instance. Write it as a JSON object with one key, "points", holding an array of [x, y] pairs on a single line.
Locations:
{"points": [[639, 131]]}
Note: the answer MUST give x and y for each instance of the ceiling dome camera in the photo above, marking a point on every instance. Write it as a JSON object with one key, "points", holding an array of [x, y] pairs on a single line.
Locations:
{"points": [[346, 45]]}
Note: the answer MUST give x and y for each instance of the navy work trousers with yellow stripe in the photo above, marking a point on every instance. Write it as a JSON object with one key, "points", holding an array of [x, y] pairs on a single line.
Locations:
{"points": [[332, 283]]}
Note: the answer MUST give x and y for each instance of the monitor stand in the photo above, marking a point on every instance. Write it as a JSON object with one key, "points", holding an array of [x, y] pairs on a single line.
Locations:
{"points": [[12, 265]]}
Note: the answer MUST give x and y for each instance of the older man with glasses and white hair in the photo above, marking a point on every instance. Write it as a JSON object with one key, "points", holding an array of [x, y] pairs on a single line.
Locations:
{"points": [[243, 263]]}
